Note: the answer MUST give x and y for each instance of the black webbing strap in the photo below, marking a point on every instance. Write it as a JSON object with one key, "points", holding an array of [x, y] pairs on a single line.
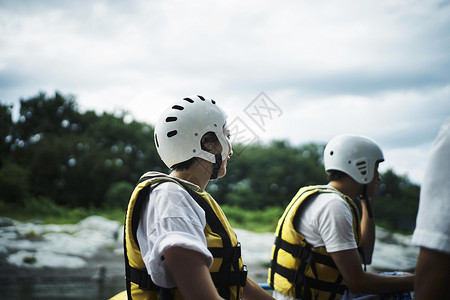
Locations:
{"points": [[278, 243], [295, 250], [231, 277], [273, 261], [230, 255], [299, 279], [338, 284], [222, 252], [223, 286], [293, 276], [307, 257], [322, 259], [141, 277], [325, 286], [127, 263], [136, 217], [137, 276]]}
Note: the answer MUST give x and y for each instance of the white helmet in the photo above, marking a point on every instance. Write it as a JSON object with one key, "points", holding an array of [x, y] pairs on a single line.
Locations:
{"points": [[354, 155], [180, 128]]}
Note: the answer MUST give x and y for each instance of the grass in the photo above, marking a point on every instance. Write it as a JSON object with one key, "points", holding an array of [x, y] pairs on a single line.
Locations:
{"points": [[253, 220], [44, 210]]}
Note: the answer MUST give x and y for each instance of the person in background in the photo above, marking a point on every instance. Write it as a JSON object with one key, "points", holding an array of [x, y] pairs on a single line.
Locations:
{"points": [[178, 242], [321, 240], [432, 232]]}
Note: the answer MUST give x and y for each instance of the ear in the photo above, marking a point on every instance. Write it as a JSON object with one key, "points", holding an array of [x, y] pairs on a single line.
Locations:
{"points": [[209, 142]]}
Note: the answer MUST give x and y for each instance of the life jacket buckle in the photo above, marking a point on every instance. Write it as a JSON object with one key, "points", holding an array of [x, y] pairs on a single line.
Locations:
{"points": [[243, 276], [238, 250]]}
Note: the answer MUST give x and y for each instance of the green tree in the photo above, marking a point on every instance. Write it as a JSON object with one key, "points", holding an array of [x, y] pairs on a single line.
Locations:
{"points": [[82, 159], [74, 158], [262, 176], [13, 183], [118, 195], [396, 207], [6, 130]]}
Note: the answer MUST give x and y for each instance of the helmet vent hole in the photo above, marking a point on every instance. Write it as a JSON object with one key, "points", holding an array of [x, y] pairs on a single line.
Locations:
{"points": [[213, 102], [215, 125], [349, 162], [194, 150], [201, 97], [171, 119], [331, 152], [178, 107], [362, 167], [189, 100], [172, 133]]}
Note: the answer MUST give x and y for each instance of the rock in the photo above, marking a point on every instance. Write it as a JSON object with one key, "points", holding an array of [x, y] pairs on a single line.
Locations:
{"points": [[45, 259], [4, 222]]}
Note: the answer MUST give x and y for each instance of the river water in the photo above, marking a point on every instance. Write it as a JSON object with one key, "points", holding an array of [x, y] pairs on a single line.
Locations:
{"points": [[85, 260]]}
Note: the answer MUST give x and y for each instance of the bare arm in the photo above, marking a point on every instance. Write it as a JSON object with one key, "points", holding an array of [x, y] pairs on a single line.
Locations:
{"points": [[367, 232], [432, 275], [358, 281], [253, 291], [191, 274]]}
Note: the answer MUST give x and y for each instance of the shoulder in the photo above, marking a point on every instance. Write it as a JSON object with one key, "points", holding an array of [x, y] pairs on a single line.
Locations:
{"points": [[171, 193], [169, 200], [326, 208], [328, 201], [329, 208], [169, 186]]}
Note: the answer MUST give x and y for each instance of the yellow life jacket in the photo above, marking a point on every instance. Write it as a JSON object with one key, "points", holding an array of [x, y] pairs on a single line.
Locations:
{"points": [[299, 270], [228, 272]]}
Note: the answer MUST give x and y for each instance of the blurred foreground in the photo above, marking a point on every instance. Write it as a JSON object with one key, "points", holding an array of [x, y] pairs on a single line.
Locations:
{"points": [[85, 260]]}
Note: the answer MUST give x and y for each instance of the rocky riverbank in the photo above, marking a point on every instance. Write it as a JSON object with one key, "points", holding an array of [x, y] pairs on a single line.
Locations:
{"points": [[91, 251]]}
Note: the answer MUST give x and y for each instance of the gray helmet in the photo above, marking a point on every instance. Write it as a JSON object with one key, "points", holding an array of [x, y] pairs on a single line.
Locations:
{"points": [[180, 128], [354, 155]]}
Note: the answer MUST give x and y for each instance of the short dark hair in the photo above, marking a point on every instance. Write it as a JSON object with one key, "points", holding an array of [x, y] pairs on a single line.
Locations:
{"points": [[185, 165], [334, 175]]}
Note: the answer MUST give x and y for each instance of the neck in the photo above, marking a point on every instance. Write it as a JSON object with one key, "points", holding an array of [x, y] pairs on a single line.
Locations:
{"points": [[198, 174], [347, 186]]}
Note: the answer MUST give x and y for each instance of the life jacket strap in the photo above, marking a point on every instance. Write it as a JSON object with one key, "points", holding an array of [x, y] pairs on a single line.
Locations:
{"points": [[295, 250], [233, 278], [305, 253], [301, 281], [307, 257], [234, 252], [141, 278], [229, 274]]}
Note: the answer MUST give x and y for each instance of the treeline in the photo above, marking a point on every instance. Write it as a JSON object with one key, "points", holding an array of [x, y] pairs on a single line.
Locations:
{"points": [[54, 152]]}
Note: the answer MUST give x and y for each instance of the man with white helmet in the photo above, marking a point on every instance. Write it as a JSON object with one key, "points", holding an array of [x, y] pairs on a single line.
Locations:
{"points": [[321, 240], [178, 243]]}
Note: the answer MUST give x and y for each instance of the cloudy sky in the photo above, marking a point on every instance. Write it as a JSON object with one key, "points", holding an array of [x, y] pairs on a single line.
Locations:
{"points": [[303, 71]]}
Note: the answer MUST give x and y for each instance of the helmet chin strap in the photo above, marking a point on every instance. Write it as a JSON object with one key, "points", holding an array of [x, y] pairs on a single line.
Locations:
{"points": [[365, 198], [216, 166]]}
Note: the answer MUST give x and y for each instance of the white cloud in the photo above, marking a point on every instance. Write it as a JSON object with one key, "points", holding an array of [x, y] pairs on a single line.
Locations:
{"points": [[374, 68]]}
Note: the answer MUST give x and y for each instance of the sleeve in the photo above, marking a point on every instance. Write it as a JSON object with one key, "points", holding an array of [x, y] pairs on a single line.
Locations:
{"points": [[335, 226], [433, 218], [170, 218]]}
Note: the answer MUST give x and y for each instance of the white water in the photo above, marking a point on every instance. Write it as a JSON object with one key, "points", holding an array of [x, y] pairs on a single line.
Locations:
{"points": [[92, 250]]}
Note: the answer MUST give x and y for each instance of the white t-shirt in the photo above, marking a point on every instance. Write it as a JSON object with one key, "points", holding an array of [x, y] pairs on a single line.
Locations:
{"points": [[325, 221], [170, 218], [433, 219]]}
